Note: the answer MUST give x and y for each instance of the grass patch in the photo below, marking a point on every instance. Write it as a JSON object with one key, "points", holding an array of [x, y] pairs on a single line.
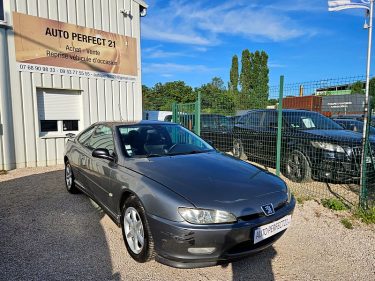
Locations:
{"points": [[302, 199], [347, 223], [366, 216], [334, 204], [3, 172]]}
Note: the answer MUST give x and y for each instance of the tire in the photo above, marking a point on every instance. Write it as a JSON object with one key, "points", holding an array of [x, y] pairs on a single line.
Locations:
{"points": [[297, 167], [69, 179], [238, 150], [134, 220]]}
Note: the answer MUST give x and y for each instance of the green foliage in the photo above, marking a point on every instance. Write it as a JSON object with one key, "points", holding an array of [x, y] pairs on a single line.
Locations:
{"points": [[302, 199], [161, 96], [366, 216], [254, 79], [272, 102], [234, 75], [334, 204], [215, 97], [357, 88], [347, 223], [245, 77]]}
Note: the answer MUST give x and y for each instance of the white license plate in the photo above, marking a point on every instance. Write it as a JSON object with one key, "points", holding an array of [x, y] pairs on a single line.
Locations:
{"points": [[268, 230]]}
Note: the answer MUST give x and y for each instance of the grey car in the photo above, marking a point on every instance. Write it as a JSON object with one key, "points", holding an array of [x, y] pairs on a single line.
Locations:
{"points": [[176, 198]]}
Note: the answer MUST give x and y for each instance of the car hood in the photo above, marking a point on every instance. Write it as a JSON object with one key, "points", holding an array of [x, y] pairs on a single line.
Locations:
{"points": [[336, 135], [215, 181]]}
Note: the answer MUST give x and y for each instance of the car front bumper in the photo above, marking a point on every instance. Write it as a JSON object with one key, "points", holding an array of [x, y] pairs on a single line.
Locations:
{"points": [[339, 167], [231, 241]]}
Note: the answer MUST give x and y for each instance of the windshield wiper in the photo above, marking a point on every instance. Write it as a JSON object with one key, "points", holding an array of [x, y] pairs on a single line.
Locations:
{"points": [[153, 155], [189, 152]]}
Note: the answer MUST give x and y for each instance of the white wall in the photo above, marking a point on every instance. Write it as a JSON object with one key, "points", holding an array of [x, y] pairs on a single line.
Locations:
{"points": [[101, 97]]}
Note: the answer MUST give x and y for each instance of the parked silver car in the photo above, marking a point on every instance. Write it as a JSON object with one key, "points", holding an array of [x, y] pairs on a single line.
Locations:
{"points": [[175, 197]]}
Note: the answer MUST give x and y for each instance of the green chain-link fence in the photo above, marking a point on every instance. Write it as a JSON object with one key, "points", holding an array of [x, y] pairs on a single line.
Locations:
{"points": [[315, 143]]}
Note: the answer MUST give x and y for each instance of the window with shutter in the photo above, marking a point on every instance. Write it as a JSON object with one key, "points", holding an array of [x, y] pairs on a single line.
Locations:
{"points": [[59, 111]]}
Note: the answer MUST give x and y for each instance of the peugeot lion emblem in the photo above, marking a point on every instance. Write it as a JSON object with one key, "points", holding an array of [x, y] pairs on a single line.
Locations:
{"points": [[268, 209]]}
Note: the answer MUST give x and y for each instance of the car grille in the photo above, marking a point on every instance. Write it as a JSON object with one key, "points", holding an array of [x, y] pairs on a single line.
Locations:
{"points": [[357, 152], [261, 214]]}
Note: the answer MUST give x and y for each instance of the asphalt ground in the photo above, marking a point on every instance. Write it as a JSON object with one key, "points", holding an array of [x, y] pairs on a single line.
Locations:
{"points": [[48, 234]]}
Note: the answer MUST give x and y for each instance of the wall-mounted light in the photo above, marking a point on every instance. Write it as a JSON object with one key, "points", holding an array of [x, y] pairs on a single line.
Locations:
{"points": [[126, 13]]}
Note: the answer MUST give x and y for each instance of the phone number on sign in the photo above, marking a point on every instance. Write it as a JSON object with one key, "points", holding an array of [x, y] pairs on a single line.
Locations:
{"points": [[72, 72]]}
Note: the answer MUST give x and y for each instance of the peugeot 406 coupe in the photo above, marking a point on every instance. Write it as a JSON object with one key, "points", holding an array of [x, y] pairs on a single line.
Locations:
{"points": [[175, 197]]}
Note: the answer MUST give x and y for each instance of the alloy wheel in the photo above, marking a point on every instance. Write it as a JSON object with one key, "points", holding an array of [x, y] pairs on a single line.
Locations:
{"points": [[68, 176], [134, 231]]}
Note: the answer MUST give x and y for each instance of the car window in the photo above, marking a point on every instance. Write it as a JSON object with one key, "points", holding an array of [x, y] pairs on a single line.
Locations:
{"points": [[304, 120], [252, 119], [159, 140], [269, 119], [102, 138], [85, 136]]}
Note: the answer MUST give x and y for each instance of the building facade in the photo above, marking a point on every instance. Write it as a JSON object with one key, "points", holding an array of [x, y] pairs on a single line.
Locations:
{"points": [[63, 66]]}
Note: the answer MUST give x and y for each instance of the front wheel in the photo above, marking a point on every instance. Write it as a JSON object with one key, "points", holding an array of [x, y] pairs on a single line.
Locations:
{"points": [[69, 179], [297, 167], [238, 150], [136, 231]]}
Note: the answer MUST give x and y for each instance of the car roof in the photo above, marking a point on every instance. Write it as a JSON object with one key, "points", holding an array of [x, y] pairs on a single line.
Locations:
{"points": [[284, 110], [347, 120]]}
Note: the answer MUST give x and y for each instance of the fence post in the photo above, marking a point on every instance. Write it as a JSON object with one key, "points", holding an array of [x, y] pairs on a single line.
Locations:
{"points": [[174, 112], [279, 125], [198, 115], [363, 194]]}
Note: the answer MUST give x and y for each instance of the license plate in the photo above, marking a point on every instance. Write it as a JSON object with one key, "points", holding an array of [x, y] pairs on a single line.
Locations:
{"points": [[268, 230]]}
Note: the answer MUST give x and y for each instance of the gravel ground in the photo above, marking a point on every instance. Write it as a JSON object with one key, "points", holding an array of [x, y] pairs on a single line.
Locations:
{"points": [[48, 234]]}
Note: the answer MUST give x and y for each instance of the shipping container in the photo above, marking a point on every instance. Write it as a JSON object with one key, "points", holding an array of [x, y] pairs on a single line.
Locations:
{"points": [[312, 103]]}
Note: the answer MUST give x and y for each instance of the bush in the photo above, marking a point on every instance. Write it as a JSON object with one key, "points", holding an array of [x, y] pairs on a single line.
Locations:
{"points": [[347, 223], [367, 216], [334, 204]]}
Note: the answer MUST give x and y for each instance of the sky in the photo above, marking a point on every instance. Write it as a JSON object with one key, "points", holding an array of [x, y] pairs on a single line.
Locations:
{"points": [[195, 40]]}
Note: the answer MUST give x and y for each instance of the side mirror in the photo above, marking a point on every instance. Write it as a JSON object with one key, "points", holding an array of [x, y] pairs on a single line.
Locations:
{"points": [[102, 153]]}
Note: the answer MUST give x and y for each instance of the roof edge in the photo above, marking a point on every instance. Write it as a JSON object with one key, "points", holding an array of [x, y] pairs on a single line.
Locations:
{"points": [[141, 3]]}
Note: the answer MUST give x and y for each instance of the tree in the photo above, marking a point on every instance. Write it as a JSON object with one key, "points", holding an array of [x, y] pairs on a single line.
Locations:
{"points": [[216, 98], [245, 72], [161, 96], [357, 88], [234, 75]]}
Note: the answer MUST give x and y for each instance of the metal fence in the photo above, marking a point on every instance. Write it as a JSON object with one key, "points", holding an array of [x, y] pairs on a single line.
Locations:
{"points": [[315, 143]]}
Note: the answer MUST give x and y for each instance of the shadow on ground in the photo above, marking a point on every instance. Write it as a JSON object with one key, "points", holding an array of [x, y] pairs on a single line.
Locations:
{"points": [[48, 234], [256, 267]]}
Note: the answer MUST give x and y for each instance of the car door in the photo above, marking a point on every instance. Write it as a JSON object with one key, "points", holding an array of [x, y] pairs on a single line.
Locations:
{"points": [[248, 131], [267, 138], [98, 170], [78, 155]]}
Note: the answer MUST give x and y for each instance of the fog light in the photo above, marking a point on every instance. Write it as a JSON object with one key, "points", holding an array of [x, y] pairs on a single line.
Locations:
{"points": [[201, 251]]}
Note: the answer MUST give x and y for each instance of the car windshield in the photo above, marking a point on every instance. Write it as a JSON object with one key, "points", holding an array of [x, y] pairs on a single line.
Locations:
{"points": [[156, 140], [305, 120]]}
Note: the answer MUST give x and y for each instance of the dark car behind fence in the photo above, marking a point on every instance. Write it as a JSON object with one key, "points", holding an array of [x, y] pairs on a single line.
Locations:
{"points": [[318, 157]]}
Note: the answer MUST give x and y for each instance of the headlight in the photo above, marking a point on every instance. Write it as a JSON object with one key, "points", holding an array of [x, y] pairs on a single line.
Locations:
{"points": [[202, 216], [327, 146]]}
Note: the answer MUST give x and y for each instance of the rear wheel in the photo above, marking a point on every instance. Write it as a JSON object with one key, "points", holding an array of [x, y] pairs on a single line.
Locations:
{"points": [[136, 231], [69, 179], [238, 150], [297, 167]]}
